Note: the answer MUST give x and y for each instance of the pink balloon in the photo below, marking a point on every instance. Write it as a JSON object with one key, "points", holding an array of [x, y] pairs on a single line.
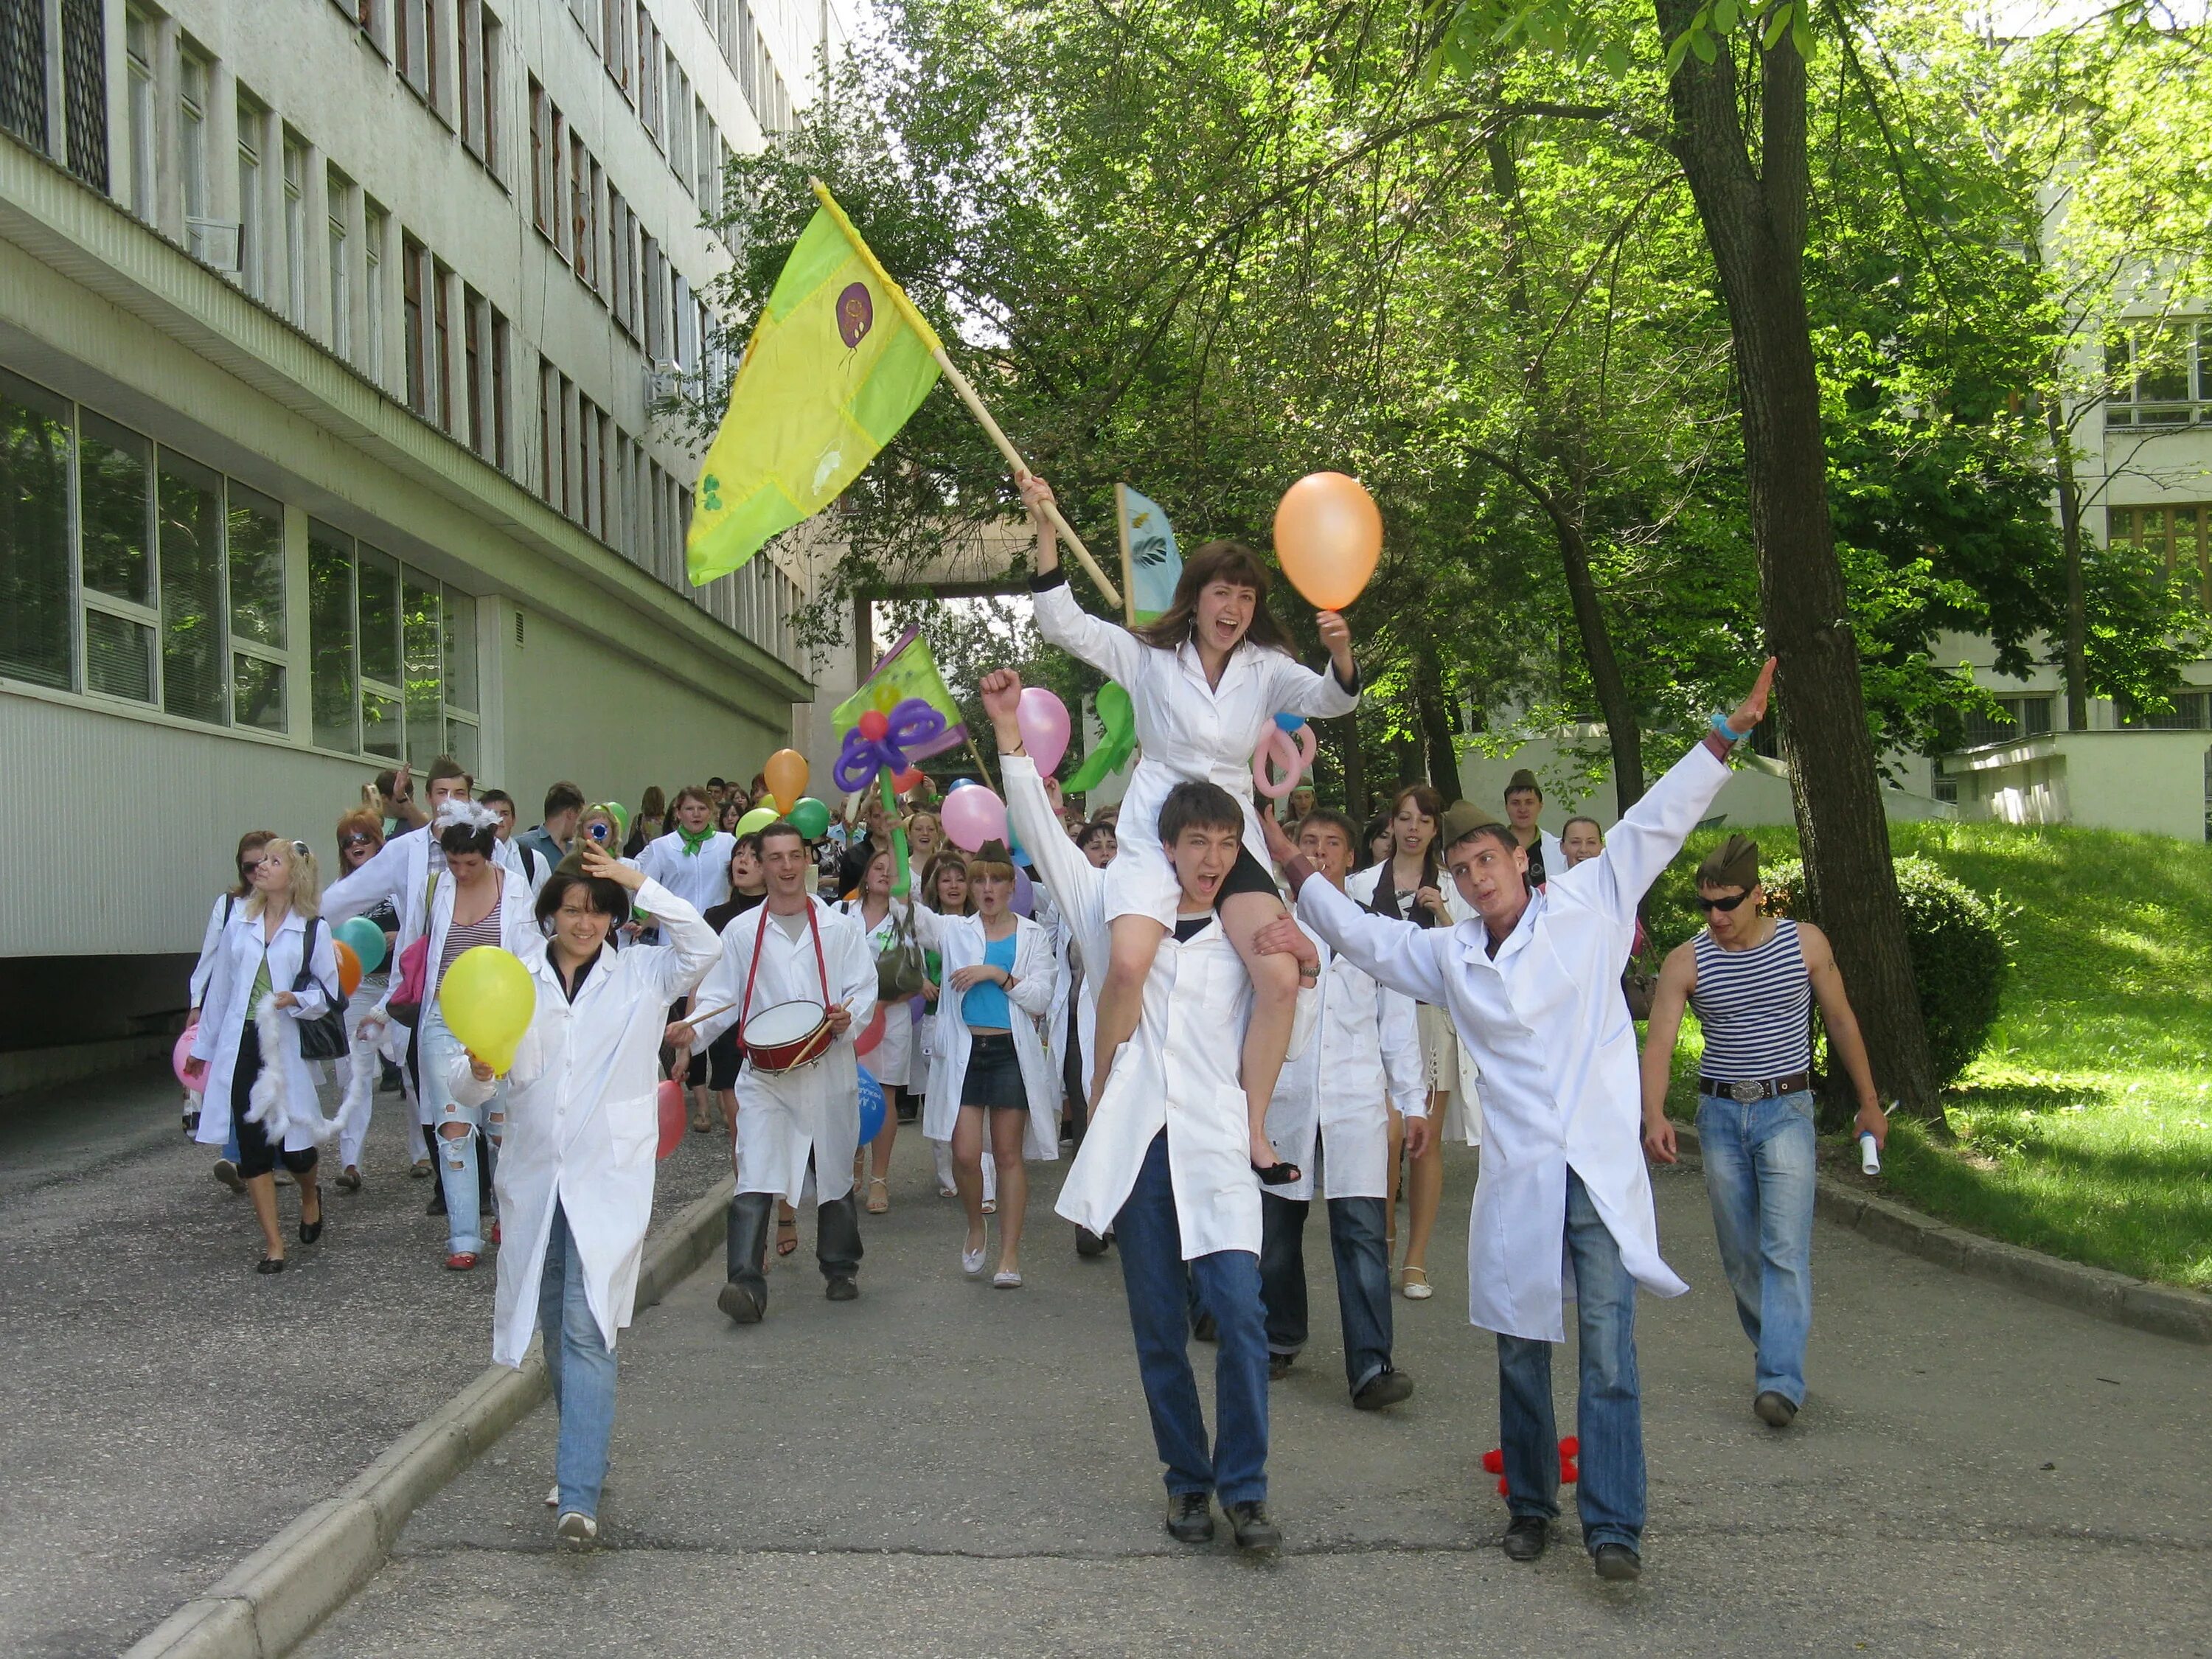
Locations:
{"points": [[973, 816], [1043, 720], [670, 1097], [1294, 755], [182, 1053]]}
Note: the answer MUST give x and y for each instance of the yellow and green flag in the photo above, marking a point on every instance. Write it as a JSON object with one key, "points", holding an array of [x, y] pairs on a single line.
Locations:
{"points": [[838, 361]]}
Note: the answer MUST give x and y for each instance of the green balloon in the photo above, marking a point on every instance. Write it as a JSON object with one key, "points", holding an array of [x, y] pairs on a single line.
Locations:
{"points": [[809, 818], [1119, 720], [759, 818]]}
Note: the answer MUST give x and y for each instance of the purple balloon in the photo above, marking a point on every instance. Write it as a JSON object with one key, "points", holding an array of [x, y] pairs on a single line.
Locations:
{"points": [[1025, 901]]}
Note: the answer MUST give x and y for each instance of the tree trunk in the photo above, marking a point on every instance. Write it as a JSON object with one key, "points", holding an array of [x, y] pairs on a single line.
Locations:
{"points": [[2076, 655], [1355, 772], [1754, 222], [1624, 732], [1435, 715]]}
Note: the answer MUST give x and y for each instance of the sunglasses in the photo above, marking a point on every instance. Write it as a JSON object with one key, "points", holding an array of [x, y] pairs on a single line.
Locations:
{"points": [[358, 838], [1710, 905]]}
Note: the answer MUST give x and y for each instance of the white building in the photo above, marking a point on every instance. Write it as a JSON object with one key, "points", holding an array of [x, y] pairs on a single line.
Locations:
{"points": [[331, 334]]}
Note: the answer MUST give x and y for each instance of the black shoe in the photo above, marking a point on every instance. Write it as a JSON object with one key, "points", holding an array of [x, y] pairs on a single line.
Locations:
{"points": [[1255, 1532], [1527, 1537], [741, 1304], [1617, 1564], [1386, 1387], [1278, 1174], [271, 1264], [1190, 1517], [1204, 1328], [311, 1230], [1775, 1409], [1089, 1245], [349, 1179], [1278, 1366], [437, 1205], [843, 1288]]}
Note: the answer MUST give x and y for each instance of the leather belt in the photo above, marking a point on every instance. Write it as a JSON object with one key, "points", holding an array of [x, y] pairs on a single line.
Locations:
{"points": [[1744, 1090]]}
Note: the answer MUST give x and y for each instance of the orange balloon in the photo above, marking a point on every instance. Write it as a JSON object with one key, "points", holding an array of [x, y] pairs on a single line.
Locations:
{"points": [[785, 774], [1329, 535], [348, 967]]}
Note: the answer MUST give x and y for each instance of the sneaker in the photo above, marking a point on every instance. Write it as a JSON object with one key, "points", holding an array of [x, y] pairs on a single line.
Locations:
{"points": [[843, 1288], [1257, 1532], [1278, 1366], [578, 1532], [1775, 1409], [1527, 1537], [1190, 1517], [1089, 1245], [1386, 1387], [226, 1173], [1617, 1564]]}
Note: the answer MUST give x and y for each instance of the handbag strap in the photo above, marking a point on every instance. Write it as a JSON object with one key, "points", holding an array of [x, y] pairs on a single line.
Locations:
{"points": [[760, 940], [306, 975]]}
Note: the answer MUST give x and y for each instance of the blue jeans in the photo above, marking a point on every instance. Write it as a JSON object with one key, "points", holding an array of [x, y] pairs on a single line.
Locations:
{"points": [[580, 1368], [1608, 1415], [457, 1157], [1362, 1279], [1158, 1282], [1759, 1165]]}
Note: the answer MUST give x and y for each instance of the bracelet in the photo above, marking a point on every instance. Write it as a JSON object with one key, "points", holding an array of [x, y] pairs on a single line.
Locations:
{"points": [[1727, 732]]}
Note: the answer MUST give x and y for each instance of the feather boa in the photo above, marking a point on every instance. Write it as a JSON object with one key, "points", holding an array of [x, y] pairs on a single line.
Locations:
{"points": [[268, 1103]]}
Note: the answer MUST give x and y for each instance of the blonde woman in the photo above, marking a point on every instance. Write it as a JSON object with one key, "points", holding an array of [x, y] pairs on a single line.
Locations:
{"points": [[247, 1056], [944, 891]]}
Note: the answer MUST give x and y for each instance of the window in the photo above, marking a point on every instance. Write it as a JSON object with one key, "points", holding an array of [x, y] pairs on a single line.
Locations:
{"points": [[501, 455], [580, 207], [295, 229], [194, 677], [475, 325], [707, 159], [2027, 715], [332, 688], [256, 537], [423, 636], [541, 157], [590, 502], [35, 456], [614, 43], [2180, 535], [115, 560], [415, 48], [192, 133], [412, 258], [648, 73], [373, 299], [477, 76], [339, 190], [2162, 375], [393, 655], [680, 123], [23, 72], [442, 342], [30, 58], [2188, 709], [618, 255], [459, 680], [252, 249], [687, 343], [377, 583], [138, 109], [656, 303]]}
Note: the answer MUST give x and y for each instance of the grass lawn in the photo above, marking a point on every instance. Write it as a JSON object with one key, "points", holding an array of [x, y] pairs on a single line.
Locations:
{"points": [[2085, 1127]]}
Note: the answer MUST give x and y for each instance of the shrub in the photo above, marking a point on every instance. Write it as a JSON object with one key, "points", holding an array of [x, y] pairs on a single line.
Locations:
{"points": [[1957, 940]]}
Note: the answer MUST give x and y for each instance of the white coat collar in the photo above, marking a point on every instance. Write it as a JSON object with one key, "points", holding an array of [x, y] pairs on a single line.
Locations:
{"points": [[1474, 934], [1241, 662]]}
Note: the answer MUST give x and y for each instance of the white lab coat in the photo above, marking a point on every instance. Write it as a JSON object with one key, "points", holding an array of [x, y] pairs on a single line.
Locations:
{"points": [[519, 931], [1177, 1073], [960, 941], [227, 1008], [583, 1121], [891, 1063], [1186, 729], [400, 872], [1366, 1050], [701, 879], [1462, 1115], [785, 1118], [1558, 1052], [225, 905]]}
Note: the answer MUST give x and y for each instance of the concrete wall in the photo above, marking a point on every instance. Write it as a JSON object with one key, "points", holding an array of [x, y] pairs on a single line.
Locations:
{"points": [[2151, 781]]}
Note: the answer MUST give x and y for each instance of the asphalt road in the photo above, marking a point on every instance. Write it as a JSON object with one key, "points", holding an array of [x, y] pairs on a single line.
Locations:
{"points": [[163, 1410], [944, 1468]]}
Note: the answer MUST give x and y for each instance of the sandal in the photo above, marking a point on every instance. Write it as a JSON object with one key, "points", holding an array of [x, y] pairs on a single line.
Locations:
{"points": [[787, 1237], [878, 1206], [990, 1206], [1414, 1283], [1280, 1173], [419, 1169]]}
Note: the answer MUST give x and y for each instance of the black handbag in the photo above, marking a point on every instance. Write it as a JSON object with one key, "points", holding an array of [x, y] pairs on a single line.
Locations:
{"points": [[323, 1037]]}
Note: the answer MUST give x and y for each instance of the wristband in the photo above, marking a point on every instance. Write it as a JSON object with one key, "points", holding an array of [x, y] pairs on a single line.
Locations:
{"points": [[1727, 732]]}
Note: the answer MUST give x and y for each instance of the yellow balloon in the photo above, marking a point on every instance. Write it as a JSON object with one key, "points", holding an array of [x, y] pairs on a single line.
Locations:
{"points": [[785, 776], [487, 998]]}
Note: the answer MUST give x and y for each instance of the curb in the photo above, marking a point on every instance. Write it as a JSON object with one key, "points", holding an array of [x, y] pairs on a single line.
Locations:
{"points": [[2167, 1310], [271, 1601]]}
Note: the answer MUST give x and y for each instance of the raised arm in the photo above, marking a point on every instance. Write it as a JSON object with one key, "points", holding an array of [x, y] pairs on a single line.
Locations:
{"points": [[1396, 953], [1114, 652], [1077, 888], [384, 877]]}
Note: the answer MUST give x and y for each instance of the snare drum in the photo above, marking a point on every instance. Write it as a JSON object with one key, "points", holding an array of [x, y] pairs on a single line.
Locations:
{"points": [[786, 1036]]}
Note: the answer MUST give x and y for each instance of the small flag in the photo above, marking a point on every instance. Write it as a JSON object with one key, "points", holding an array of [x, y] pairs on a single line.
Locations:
{"points": [[918, 715], [838, 361], [1150, 561]]}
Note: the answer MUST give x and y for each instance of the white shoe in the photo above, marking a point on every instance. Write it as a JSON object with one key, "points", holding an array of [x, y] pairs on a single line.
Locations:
{"points": [[971, 1261], [1006, 1280], [576, 1530], [553, 1496]]}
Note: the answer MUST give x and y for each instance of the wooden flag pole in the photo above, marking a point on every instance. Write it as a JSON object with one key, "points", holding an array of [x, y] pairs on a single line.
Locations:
{"points": [[1021, 471]]}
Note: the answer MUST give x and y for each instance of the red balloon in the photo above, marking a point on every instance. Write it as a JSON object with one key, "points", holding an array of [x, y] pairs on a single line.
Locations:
{"points": [[875, 725], [871, 1033], [908, 780], [671, 1095]]}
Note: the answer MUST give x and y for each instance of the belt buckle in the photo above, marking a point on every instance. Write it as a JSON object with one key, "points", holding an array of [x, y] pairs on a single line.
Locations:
{"points": [[1744, 1093]]}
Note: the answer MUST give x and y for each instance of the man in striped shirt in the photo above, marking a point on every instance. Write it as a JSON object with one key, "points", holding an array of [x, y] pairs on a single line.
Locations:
{"points": [[1752, 979]]}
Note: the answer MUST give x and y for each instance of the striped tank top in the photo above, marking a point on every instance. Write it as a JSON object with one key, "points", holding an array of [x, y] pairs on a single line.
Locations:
{"points": [[1755, 1006], [466, 936]]}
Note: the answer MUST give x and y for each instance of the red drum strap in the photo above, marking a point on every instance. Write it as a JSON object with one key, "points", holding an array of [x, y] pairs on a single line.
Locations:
{"points": [[821, 965]]}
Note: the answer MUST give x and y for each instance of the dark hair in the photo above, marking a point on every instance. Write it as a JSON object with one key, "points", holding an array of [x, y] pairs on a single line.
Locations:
{"points": [[563, 797], [446, 767], [750, 843], [952, 859], [1217, 561], [459, 838], [1582, 818], [607, 897], [780, 827], [1197, 804], [1091, 831], [1431, 804], [496, 797], [653, 802], [712, 783], [385, 780], [1329, 817], [727, 815], [1502, 834], [251, 842]]}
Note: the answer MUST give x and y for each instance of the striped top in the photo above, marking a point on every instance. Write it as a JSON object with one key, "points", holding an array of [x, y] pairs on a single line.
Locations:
{"points": [[466, 936], [1755, 1006]]}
